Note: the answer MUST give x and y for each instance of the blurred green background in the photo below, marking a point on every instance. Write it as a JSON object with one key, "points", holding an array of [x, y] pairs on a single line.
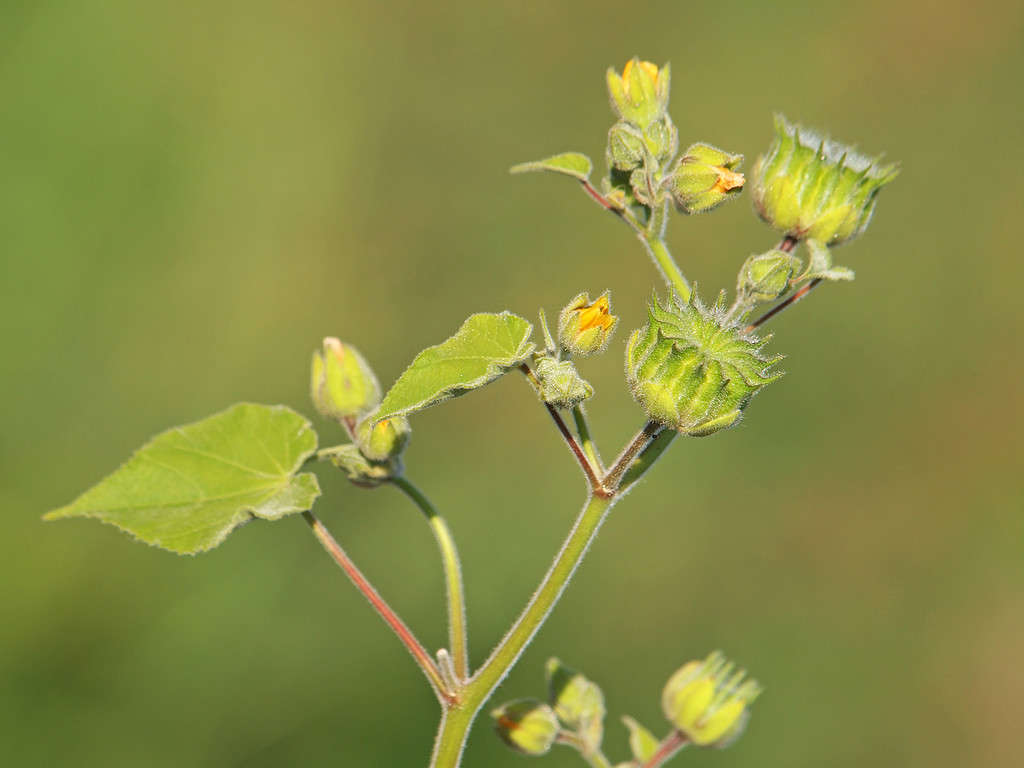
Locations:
{"points": [[194, 193]]}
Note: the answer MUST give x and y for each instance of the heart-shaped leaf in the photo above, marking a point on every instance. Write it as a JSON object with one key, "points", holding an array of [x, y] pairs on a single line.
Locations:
{"points": [[188, 488]]}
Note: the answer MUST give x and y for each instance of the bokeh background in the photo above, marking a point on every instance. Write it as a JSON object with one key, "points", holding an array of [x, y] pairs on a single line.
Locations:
{"points": [[194, 193]]}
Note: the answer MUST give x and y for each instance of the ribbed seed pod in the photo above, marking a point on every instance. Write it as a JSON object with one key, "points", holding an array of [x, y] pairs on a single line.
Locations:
{"points": [[691, 371]]}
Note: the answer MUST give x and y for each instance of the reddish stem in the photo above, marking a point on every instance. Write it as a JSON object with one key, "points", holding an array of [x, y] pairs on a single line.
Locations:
{"points": [[672, 744], [570, 439], [598, 197], [783, 305], [391, 618]]}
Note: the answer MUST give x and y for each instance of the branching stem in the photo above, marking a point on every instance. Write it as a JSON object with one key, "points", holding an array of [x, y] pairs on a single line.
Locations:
{"points": [[581, 458]]}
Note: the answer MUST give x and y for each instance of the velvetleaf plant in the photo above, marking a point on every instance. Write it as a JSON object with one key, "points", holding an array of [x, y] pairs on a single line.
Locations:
{"points": [[693, 367]]}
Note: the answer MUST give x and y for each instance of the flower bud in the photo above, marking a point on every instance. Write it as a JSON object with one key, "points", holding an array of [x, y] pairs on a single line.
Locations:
{"points": [[662, 138], [625, 147], [640, 95], [527, 725], [577, 701], [708, 701], [811, 187], [766, 276], [704, 178], [383, 440], [342, 383], [691, 371], [585, 328], [560, 383]]}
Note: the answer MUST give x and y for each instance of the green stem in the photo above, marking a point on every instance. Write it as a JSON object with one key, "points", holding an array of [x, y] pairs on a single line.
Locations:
{"points": [[583, 429], [564, 566], [653, 238], [451, 736], [452, 576], [460, 712]]}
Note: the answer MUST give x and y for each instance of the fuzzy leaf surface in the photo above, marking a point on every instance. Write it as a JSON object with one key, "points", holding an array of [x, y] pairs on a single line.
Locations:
{"points": [[572, 164], [485, 347], [188, 488]]}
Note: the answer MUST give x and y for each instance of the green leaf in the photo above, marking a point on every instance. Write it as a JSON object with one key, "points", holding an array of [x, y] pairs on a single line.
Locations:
{"points": [[642, 742], [486, 346], [570, 163], [188, 488]]}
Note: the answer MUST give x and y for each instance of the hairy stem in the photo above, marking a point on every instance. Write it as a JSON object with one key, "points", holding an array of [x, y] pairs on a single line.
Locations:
{"points": [[653, 238], [643, 438], [452, 576], [547, 594], [784, 304], [415, 648], [583, 430]]}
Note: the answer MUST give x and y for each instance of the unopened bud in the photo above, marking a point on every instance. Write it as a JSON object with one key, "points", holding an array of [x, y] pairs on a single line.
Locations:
{"points": [[383, 440], [527, 725], [560, 383], [704, 178], [576, 700], [342, 384], [585, 327], [811, 187], [692, 371], [640, 94], [765, 276], [708, 701]]}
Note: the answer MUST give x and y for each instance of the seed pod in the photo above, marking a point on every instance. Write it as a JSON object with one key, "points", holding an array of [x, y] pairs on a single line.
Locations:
{"points": [[811, 187], [692, 372]]}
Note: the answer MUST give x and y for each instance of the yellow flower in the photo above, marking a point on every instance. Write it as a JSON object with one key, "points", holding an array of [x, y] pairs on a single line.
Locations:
{"points": [[585, 327]]}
